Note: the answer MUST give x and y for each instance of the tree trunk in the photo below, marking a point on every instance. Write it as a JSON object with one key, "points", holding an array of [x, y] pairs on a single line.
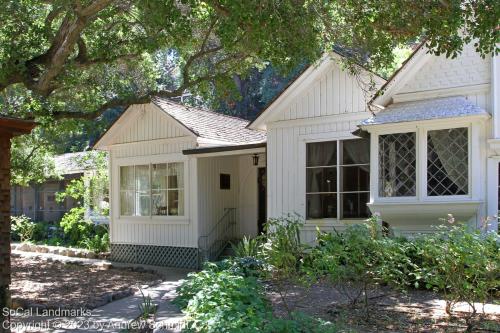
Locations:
{"points": [[4, 229]]}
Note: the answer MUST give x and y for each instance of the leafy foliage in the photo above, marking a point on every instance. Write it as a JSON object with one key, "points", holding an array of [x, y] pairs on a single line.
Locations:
{"points": [[61, 60], [75, 227], [23, 228], [221, 299], [282, 248], [78, 231], [90, 190], [247, 247], [462, 263]]}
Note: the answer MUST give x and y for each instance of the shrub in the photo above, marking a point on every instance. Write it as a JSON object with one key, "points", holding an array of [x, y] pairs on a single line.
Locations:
{"points": [[282, 248], [222, 299], [248, 247], [217, 300], [23, 228], [463, 264], [350, 261], [97, 243], [75, 227], [77, 231], [301, 323]]}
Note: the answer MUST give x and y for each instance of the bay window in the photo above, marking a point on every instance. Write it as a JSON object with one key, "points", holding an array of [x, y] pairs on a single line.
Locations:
{"points": [[152, 190], [397, 165], [337, 179], [445, 160]]}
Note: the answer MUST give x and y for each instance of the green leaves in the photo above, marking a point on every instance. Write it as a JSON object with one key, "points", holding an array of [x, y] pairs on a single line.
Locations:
{"points": [[220, 299]]}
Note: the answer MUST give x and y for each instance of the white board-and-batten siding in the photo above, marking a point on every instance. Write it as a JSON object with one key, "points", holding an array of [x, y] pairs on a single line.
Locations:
{"points": [[329, 109], [151, 136], [213, 200]]}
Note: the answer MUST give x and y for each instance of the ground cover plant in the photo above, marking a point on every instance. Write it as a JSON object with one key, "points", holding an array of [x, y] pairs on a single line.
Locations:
{"points": [[229, 297], [455, 263]]}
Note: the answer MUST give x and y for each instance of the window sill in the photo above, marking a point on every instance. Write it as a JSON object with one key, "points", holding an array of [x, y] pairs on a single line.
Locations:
{"points": [[312, 224], [425, 212], [153, 220]]}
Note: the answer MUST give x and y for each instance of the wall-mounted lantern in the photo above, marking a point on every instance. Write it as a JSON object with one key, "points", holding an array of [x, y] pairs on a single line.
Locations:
{"points": [[255, 159]]}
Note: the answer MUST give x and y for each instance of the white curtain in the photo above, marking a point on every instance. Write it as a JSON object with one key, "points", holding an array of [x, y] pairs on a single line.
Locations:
{"points": [[454, 161]]}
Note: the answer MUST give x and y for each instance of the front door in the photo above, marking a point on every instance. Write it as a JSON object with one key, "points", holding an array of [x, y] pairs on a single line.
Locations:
{"points": [[262, 199]]}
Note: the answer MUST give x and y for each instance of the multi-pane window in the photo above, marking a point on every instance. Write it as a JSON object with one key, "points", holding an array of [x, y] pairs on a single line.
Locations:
{"points": [[152, 190], [337, 179], [397, 165], [447, 162]]}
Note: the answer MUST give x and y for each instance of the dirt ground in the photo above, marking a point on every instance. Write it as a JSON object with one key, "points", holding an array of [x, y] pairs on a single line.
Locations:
{"points": [[389, 311], [55, 284]]}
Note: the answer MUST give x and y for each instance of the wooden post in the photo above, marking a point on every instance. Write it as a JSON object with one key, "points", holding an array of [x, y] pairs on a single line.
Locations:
{"points": [[4, 228], [9, 127]]}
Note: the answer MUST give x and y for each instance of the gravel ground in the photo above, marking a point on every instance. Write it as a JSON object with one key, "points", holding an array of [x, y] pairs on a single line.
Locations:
{"points": [[389, 311], [37, 283]]}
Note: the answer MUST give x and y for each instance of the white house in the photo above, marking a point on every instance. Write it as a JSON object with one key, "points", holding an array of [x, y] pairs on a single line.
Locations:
{"points": [[184, 181]]}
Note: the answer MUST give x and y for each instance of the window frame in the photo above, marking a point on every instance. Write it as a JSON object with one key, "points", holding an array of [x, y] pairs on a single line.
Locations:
{"points": [[423, 142], [417, 168], [338, 167], [420, 129], [149, 160]]}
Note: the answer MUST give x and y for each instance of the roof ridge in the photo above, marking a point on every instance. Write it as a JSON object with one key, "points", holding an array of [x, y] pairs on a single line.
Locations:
{"points": [[168, 100]]}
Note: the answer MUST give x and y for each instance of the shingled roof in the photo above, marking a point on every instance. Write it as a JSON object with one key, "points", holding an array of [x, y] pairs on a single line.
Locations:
{"points": [[211, 125], [429, 109]]}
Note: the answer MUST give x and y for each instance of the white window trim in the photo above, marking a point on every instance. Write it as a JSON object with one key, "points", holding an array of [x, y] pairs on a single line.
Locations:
{"points": [[421, 129], [375, 162], [325, 137], [147, 160], [423, 143]]}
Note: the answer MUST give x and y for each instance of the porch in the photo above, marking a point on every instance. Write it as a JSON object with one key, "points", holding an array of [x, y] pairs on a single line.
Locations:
{"points": [[231, 196]]}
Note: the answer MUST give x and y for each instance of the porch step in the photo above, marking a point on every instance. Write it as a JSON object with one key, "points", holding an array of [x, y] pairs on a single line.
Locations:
{"points": [[228, 251]]}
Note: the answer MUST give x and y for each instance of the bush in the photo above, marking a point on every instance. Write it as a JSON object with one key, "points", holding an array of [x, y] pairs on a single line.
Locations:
{"points": [[77, 231], [248, 247], [75, 227], [463, 264], [282, 248], [351, 261], [220, 301], [97, 243], [221, 298], [23, 228]]}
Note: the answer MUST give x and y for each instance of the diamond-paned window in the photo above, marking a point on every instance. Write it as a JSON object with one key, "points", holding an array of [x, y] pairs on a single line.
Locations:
{"points": [[397, 165], [447, 162]]}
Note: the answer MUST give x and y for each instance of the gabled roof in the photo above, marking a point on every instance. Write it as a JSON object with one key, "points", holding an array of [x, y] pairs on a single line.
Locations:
{"points": [[302, 81], [215, 128], [428, 109], [402, 75], [211, 125]]}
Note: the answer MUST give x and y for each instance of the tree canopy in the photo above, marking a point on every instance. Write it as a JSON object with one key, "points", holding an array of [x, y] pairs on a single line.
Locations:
{"points": [[75, 59], [84, 56]]}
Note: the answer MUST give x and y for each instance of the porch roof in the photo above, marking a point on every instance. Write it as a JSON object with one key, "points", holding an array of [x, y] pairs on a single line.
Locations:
{"points": [[220, 149], [429, 109], [211, 125]]}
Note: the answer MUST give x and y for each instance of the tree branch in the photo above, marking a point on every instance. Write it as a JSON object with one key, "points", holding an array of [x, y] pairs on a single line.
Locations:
{"points": [[67, 36]]}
